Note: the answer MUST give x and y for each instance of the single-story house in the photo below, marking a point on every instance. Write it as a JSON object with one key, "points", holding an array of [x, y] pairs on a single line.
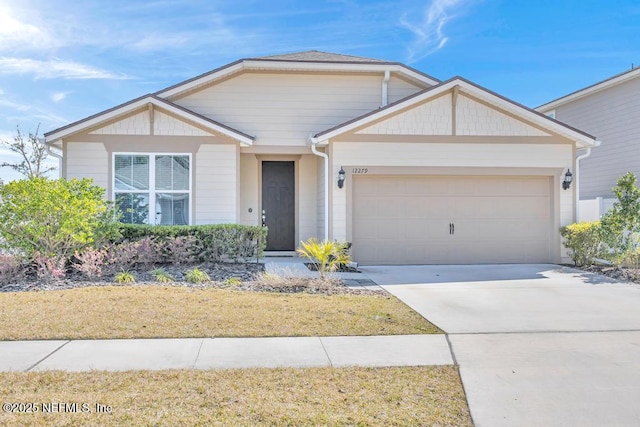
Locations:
{"points": [[609, 109], [410, 169]]}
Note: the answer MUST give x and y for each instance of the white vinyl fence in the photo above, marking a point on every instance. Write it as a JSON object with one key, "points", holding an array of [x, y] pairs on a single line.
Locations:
{"points": [[593, 209]]}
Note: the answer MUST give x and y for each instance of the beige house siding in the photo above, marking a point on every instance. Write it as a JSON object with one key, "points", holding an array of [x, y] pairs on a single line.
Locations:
{"points": [[137, 124], [431, 118], [320, 185], [613, 116], [475, 118], [307, 199], [164, 124], [215, 183], [140, 124], [249, 191], [87, 160], [399, 88], [285, 108], [436, 117]]}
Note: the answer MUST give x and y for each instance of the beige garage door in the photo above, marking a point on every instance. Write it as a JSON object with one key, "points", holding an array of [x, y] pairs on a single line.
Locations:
{"points": [[451, 219]]}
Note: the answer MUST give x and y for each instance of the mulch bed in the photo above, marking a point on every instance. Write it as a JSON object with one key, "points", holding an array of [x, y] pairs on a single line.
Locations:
{"points": [[626, 274], [248, 274]]}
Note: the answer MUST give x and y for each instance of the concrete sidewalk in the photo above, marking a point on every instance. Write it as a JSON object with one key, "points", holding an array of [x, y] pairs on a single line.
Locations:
{"points": [[224, 353]]}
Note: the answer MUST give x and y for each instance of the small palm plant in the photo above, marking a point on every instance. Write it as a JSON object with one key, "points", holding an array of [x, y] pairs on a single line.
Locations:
{"points": [[327, 256], [196, 275]]}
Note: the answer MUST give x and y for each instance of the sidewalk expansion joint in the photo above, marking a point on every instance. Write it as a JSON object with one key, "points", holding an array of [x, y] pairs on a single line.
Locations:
{"points": [[195, 362], [325, 352], [46, 357]]}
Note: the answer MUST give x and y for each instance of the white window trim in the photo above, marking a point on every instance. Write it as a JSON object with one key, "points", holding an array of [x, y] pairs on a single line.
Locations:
{"points": [[152, 181]]}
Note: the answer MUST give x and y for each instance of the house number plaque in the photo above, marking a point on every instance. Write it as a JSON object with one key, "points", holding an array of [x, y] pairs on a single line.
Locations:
{"points": [[359, 170]]}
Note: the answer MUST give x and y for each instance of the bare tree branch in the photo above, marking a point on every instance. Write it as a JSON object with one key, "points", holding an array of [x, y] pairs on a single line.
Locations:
{"points": [[33, 155]]}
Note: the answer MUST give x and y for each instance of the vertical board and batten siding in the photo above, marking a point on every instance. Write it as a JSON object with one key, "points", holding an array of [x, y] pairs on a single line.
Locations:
{"points": [[613, 116], [87, 160], [249, 190], [285, 108], [320, 185], [307, 198], [216, 183]]}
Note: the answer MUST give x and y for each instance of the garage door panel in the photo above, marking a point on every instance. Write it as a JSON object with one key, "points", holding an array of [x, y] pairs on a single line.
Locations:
{"points": [[405, 220]]}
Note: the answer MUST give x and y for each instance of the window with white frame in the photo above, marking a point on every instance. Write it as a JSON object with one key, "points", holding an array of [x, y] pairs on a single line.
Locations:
{"points": [[153, 188]]}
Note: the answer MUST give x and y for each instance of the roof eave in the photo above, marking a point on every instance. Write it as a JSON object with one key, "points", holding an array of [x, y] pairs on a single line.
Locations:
{"points": [[589, 90], [291, 65], [582, 139], [124, 109]]}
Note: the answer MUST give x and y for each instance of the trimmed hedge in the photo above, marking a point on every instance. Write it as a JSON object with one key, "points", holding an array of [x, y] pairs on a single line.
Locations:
{"points": [[215, 242], [585, 241]]}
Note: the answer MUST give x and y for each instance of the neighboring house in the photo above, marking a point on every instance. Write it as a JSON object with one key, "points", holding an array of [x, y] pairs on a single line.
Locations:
{"points": [[408, 168], [609, 110]]}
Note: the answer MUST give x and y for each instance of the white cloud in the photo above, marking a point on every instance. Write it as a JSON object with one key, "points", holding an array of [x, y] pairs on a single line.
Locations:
{"points": [[58, 96], [55, 68], [17, 35], [429, 30]]}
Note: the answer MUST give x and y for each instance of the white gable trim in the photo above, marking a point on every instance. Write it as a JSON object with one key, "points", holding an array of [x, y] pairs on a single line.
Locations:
{"points": [[303, 66], [581, 139], [589, 90], [126, 109]]}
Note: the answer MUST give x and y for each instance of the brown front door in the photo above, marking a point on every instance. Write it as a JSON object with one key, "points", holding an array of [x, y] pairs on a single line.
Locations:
{"points": [[278, 204]]}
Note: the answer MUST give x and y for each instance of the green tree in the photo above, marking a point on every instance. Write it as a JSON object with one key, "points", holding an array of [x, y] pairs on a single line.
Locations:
{"points": [[32, 154], [54, 218], [621, 224]]}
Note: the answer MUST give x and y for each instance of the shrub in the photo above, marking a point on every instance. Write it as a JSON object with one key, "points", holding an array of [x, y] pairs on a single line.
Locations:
{"points": [[162, 276], [91, 262], [121, 256], [11, 269], [233, 281], [55, 218], [621, 224], [49, 267], [585, 241], [327, 256], [182, 250], [197, 276], [202, 243], [124, 277]]}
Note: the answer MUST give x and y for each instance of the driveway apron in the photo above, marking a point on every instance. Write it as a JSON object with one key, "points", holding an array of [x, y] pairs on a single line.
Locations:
{"points": [[537, 344]]}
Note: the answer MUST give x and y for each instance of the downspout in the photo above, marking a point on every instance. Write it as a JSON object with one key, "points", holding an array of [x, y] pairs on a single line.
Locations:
{"points": [[325, 156], [581, 157], [385, 87], [54, 154]]}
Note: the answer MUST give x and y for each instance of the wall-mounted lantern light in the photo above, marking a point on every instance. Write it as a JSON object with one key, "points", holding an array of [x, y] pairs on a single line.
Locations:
{"points": [[568, 178], [341, 176]]}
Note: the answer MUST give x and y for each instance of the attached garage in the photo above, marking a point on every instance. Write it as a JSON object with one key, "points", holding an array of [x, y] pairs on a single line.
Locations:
{"points": [[451, 219], [452, 175]]}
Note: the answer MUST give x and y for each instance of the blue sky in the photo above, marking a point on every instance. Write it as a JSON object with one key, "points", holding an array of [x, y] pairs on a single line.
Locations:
{"points": [[63, 60]]}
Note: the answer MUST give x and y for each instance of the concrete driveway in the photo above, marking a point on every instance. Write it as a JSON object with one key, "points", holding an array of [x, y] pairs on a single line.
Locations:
{"points": [[537, 345]]}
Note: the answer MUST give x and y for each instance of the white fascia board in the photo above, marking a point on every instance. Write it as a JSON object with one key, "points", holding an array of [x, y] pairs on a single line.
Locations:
{"points": [[589, 90], [97, 120], [544, 122], [393, 108], [582, 140], [293, 66], [339, 67], [200, 81], [139, 104]]}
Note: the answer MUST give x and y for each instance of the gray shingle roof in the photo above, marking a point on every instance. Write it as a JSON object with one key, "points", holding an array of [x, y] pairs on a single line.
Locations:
{"points": [[318, 56]]}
